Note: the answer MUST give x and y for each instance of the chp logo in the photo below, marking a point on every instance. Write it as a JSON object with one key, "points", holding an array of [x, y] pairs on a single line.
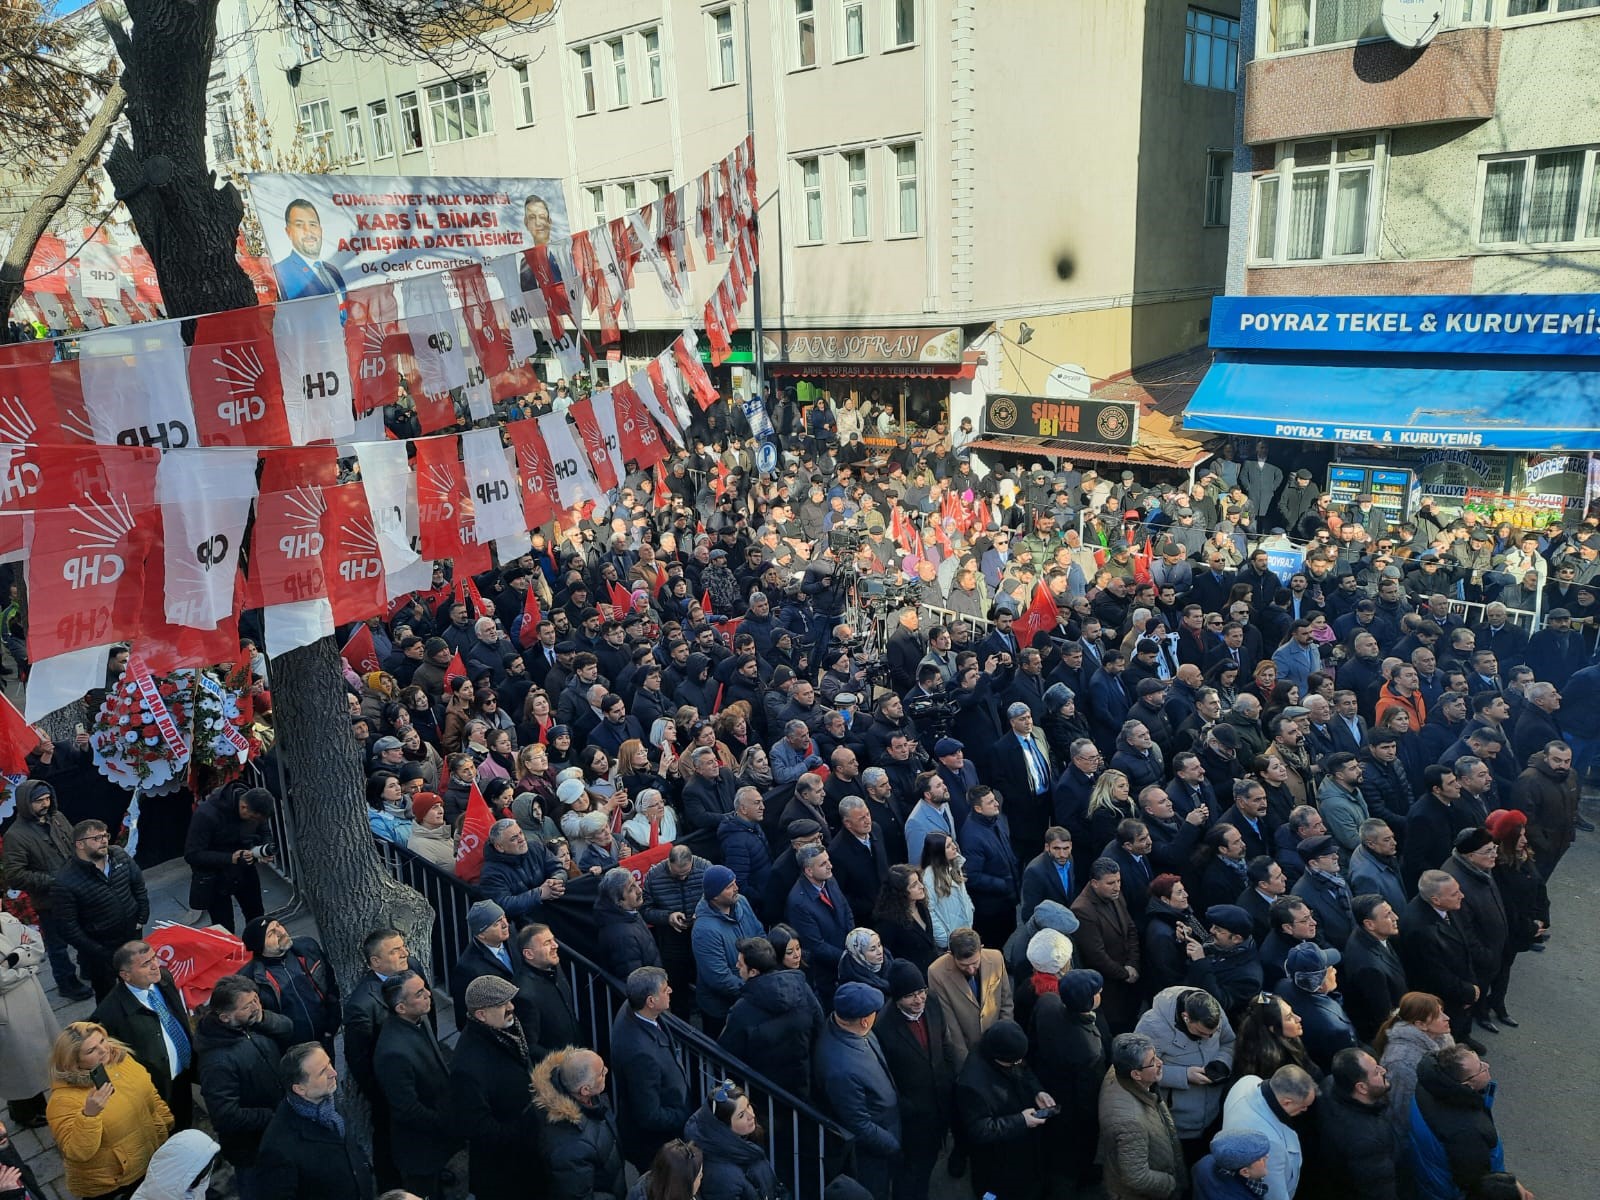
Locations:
{"points": [[1002, 413], [435, 487], [306, 506], [240, 370], [105, 526], [358, 550], [21, 478]]}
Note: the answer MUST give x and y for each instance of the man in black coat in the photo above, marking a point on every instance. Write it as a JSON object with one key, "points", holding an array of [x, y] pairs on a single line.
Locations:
{"points": [[776, 1020], [1050, 875], [1351, 1146], [921, 1061], [652, 1093], [489, 952], [223, 833], [1372, 977], [296, 981], [410, 1068], [147, 1011], [309, 1151], [364, 1015], [860, 859], [489, 1092], [544, 1001], [1023, 776], [37, 845], [241, 1045], [1432, 823], [1436, 948], [100, 902]]}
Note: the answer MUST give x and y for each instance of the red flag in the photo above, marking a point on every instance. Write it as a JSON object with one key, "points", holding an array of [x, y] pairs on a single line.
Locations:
{"points": [[17, 740], [621, 598], [694, 371], [537, 472], [235, 382], [374, 341], [663, 495], [445, 521], [479, 608], [483, 324], [1041, 615], [705, 602], [456, 670], [640, 443], [716, 333], [474, 837], [594, 444], [531, 616], [435, 410], [640, 862], [351, 560], [359, 651]]}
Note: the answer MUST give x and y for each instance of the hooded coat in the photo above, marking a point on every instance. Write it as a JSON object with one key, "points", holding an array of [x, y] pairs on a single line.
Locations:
{"points": [[177, 1165], [773, 1027], [28, 1028], [1454, 1142], [736, 1168], [36, 850], [1193, 1108], [240, 1081], [580, 1140]]}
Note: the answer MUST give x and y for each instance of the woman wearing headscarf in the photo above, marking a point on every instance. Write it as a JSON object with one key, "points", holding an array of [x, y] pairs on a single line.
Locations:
{"points": [[1000, 1100], [1071, 1045], [865, 960]]}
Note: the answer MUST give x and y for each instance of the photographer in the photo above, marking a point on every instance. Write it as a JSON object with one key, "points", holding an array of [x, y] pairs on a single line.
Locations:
{"points": [[227, 835]]}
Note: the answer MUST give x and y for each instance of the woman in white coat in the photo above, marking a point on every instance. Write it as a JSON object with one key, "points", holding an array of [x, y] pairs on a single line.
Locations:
{"points": [[27, 1026]]}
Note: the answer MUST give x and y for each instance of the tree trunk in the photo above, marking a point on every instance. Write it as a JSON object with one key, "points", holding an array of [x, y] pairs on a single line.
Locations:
{"points": [[189, 226], [43, 210]]}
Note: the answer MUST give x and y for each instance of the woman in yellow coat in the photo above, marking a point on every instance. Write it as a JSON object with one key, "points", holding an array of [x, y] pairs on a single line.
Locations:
{"points": [[106, 1134]]}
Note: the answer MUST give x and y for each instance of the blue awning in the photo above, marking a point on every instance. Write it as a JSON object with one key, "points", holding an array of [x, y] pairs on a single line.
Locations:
{"points": [[1425, 401]]}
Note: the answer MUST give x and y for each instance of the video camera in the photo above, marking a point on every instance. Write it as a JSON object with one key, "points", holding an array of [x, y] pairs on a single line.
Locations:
{"points": [[879, 594], [933, 714]]}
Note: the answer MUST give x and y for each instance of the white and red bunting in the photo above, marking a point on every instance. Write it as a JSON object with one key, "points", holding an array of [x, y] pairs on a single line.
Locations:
{"points": [[593, 439], [374, 344], [314, 369], [286, 556], [575, 482], [390, 488], [234, 381], [496, 495], [520, 313], [693, 370], [484, 327], [205, 498], [536, 473], [639, 442], [445, 523], [430, 323], [351, 558], [662, 393], [135, 383]]}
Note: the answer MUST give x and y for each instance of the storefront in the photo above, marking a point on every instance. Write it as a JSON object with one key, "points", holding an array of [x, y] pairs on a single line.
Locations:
{"points": [[1489, 403], [905, 373]]}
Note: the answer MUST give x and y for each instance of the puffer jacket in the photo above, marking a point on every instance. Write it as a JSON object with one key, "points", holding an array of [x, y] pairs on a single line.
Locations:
{"points": [[664, 895], [111, 1150], [512, 880], [1139, 1146], [745, 852], [715, 936], [35, 851], [1454, 1142], [735, 1167], [624, 939], [177, 1165], [773, 1026], [240, 1081], [99, 912], [1193, 1108], [580, 1141]]}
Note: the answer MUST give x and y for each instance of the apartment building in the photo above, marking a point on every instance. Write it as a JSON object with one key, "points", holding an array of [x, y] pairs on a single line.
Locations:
{"points": [[935, 174], [1415, 236]]}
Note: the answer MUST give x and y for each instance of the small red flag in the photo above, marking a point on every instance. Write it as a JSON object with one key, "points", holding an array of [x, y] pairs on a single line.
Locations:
{"points": [[359, 651], [531, 616], [705, 602], [18, 739], [621, 598], [1041, 614], [474, 837], [456, 670], [663, 495]]}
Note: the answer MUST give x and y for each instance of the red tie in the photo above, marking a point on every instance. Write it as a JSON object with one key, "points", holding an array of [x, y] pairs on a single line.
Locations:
{"points": [[919, 1030], [822, 895]]}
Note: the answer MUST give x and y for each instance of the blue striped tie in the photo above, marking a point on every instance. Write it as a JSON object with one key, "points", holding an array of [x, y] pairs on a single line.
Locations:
{"points": [[174, 1028]]}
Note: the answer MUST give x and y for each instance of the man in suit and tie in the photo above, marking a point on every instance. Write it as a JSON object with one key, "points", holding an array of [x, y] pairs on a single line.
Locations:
{"points": [[1000, 640], [1372, 977], [1210, 587], [1023, 777], [1049, 876], [302, 272], [819, 913], [147, 1011], [1130, 850], [860, 860], [1348, 726]]}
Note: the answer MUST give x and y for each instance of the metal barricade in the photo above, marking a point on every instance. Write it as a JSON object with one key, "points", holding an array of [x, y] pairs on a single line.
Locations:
{"points": [[1472, 612], [946, 616], [805, 1147]]}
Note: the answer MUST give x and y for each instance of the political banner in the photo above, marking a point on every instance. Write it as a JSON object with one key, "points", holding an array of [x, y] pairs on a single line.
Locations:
{"points": [[330, 233]]}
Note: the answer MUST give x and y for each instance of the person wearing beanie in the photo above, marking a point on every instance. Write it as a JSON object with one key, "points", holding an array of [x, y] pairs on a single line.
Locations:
{"points": [[489, 953], [1236, 1168], [911, 1031], [1005, 1113], [489, 1092], [1471, 863], [431, 839], [853, 1083], [721, 918], [295, 980], [1048, 915], [1049, 954], [1527, 901]]}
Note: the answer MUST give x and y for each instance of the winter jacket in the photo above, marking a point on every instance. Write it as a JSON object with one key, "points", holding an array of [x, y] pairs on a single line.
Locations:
{"points": [[98, 911], [300, 1159], [492, 1104], [35, 851], [1404, 1048], [1247, 1107], [1527, 901], [300, 986], [1139, 1146], [773, 1027], [948, 913], [1550, 800], [853, 1080], [545, 1007], [1484, 912], [216, 833], [625, 942], [1069, 1051], [181, 1160], [1328, 1029], [414, 1076], [112, 1149], [1008, 1158], [1330, 905], [1381, 876], [436, 846], [240, 1081], [580, 1140], [512, 880], [1209, 1182], [652, 1092], [1193, 1108], [1454, 1142], [715, 938], [745, 852], [1355, 1149], [736, 1168]]}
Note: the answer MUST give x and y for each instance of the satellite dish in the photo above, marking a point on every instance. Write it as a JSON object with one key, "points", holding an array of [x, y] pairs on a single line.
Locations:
{"points": [[1068, 381], [1412, 23]]}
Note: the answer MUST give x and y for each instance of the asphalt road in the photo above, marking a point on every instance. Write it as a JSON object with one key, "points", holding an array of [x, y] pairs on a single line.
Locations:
{"points": [[1548, 1070]]}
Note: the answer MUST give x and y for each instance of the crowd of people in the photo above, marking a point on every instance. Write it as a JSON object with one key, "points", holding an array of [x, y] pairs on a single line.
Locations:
{"points": [[1211, 886]]}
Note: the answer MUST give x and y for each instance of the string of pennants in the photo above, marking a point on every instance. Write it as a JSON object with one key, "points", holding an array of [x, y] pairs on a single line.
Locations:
{"points": [[156, 488]]}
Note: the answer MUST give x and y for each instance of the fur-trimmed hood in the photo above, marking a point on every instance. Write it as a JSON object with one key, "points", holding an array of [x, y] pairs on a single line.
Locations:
{"points": [[557, 1103]]}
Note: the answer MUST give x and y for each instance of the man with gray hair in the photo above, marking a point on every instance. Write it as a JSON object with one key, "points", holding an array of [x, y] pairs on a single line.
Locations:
{"points": [[1267, 1107], [1436, 948], [860, 856], [517, 876], [745, 850], [1537, 724], [795, 753], [1023, 775], [1139, 1144], [652, 1091]]}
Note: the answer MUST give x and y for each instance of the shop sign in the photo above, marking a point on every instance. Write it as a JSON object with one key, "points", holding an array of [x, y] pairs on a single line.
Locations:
{"points": [[866, 347], [1497, 324], [1109, 422], [1448, 475]]}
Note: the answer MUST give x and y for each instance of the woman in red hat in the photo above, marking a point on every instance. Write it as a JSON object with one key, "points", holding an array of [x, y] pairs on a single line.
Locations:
{"points": [[1527, 902]]}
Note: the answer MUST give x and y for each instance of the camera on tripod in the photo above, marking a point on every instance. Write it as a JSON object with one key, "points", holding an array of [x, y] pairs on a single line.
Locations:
{"points": [[879, 594], [933, 714], [844, 541]]}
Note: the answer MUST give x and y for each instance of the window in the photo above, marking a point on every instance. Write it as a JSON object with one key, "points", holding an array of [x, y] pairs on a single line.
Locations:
{"points": [[1211, 50], [1542, 8], [858, 209], [1331, 190], [663, 186], [316, 122], [307, 37], [1219, 170], [410, 123], [459, 108], [908, 207], [524, 86], [630, 196], [1303, 24], [222, 141], [902, 23], [382, 134], [619, 73], [805, 34], [1541, 199], [723, 69], [597, 204], [855, 29], [588, 102], [655, 81], [810, 170], [352, 135]]}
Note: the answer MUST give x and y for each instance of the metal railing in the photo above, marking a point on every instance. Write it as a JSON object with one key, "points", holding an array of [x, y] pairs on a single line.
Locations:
{"points": [[805, 1147]]}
